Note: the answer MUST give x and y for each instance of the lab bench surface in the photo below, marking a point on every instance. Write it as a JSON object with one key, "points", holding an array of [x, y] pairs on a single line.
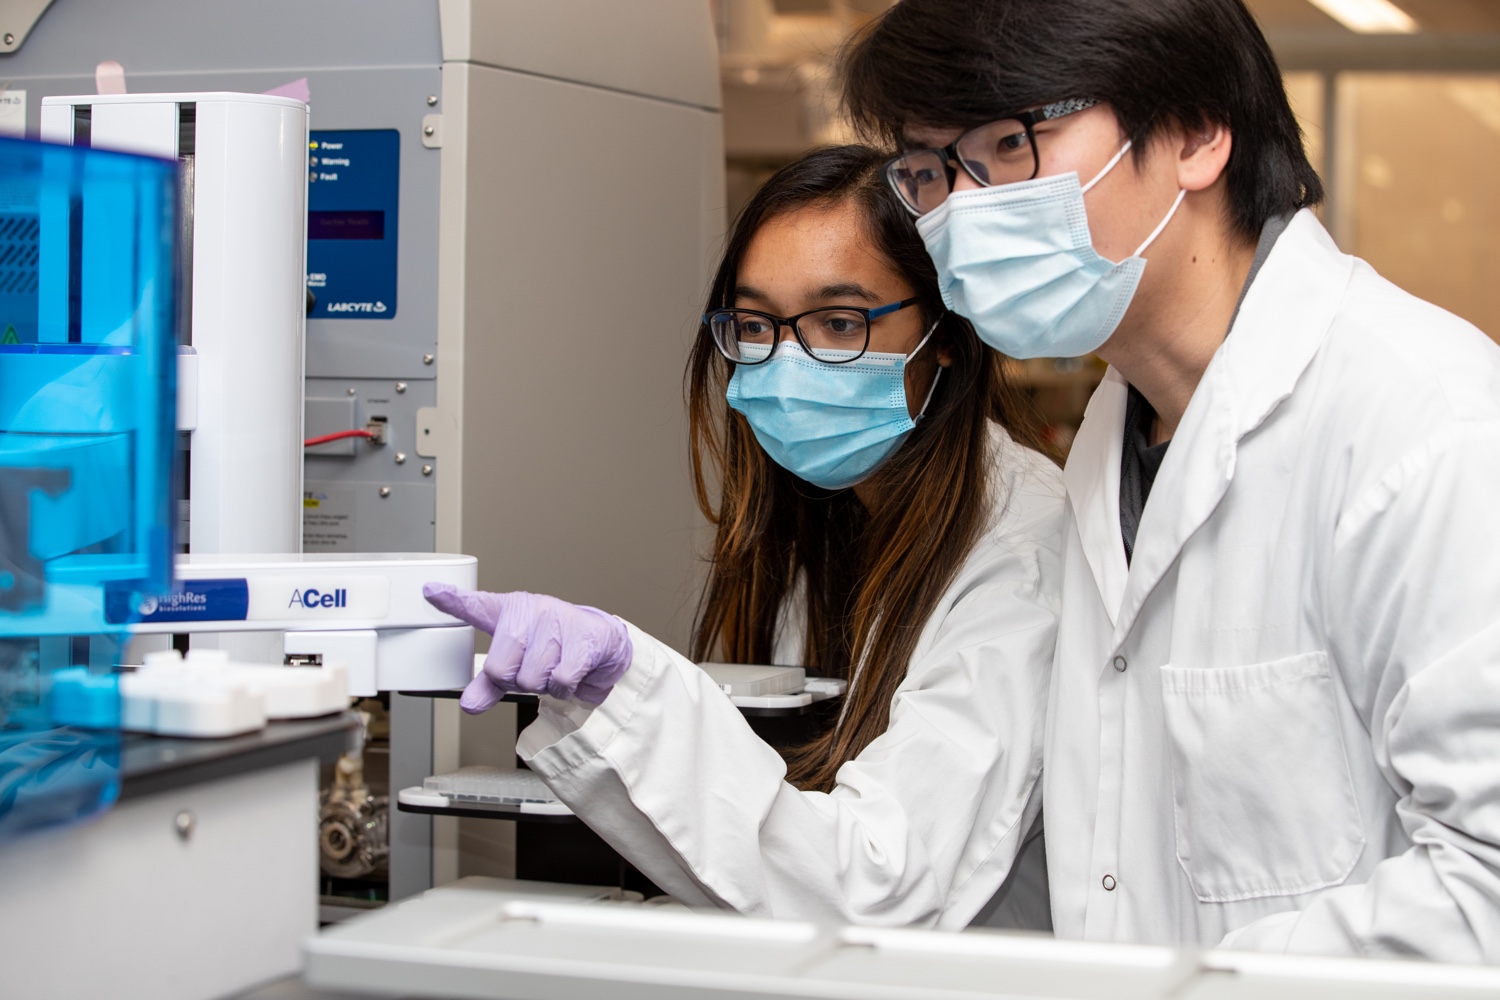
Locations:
{"points": [[151, 764]]}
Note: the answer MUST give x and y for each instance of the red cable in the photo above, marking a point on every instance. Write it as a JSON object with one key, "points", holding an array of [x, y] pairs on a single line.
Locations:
{"points": [[336, 436]]}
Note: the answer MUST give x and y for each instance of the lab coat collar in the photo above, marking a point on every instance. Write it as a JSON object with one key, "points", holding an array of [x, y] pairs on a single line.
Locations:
{"points": [[1280, 326], [1092, 479]]}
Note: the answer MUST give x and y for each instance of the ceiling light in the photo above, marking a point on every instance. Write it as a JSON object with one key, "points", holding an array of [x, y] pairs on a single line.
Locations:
{"points": [[1368, 17]]}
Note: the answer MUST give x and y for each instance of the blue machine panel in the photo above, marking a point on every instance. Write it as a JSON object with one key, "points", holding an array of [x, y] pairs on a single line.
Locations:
{"points": [[88, 338], [87, 384], [353, 186]]}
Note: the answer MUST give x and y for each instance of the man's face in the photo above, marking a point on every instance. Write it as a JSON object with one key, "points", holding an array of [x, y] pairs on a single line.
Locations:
{"points": [[1124, 207]]}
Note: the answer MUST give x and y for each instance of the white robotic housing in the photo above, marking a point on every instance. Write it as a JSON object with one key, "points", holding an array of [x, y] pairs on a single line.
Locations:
{"points": [[244, 200], [365, 611]]}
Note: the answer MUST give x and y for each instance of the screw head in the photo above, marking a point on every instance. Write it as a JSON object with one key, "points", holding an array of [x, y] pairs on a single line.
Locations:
{"points": [[400, 458], [427, 359], [428, 130], [426, 470], [400, 386], [183, 823], [349, 391], [385, 491], [431, 100], [10, 39]]}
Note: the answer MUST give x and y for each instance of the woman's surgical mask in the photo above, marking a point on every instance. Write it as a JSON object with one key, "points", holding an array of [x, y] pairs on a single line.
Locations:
{"points": [[1018, 260], [830, 424]]}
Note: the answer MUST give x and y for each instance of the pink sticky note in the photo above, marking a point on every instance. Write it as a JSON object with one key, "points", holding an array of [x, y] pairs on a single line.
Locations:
{"points": [[109, 78], [297, 90]]}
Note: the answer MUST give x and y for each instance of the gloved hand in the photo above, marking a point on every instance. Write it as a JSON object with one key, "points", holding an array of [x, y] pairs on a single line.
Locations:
{"points": [[542, 645]]}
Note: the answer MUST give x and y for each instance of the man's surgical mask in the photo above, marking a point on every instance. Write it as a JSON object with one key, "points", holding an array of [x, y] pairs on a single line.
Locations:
{"points": [[1019, 262]]}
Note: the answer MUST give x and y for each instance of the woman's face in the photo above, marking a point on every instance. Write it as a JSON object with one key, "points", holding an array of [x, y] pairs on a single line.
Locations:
{"points": [[821, 256]]}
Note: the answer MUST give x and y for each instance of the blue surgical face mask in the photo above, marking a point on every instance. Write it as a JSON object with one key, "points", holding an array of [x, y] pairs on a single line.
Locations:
{"points": [[831, 425], [1019, 262]]}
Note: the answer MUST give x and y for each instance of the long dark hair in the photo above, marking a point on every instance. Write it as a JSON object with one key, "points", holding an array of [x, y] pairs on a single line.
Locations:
{"points": [[1157, 63], [873, 577]]}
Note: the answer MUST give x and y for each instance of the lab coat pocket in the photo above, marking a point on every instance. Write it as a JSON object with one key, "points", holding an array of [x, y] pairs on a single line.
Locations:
{"points": [[1262, 795]]}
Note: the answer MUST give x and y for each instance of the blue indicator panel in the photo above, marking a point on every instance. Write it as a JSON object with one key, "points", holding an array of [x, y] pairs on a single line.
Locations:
{"points": [[353, 185]]}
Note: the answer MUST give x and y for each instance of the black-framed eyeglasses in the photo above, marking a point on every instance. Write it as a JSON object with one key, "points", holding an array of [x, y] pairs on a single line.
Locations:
{"points": [[834, 335], [1002, 152]]}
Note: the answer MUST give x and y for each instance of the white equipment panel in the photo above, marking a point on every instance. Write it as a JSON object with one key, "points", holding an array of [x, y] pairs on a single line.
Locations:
{"points": [[378, 590], [365, 611], [163, 911], [474, 941]]}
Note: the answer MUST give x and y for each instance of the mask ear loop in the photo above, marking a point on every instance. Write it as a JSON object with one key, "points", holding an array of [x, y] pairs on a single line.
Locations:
{"points": [[923, 342], [1108, 166], [1181, 193], [923, 411], [933, 388]]}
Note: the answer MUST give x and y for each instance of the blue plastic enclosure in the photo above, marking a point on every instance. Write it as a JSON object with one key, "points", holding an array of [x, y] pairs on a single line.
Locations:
{"points": [[88, 321]]}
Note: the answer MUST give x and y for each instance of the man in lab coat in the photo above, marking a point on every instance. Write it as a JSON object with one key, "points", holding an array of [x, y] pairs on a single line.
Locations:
{"points": [[1275, 714]]}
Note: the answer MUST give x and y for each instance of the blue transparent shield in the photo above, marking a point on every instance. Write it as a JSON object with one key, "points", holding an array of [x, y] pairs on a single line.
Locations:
{"points": [[87, 421]]}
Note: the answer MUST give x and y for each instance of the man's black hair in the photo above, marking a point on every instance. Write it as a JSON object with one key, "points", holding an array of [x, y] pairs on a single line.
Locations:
{"points": [[1157, 63]]}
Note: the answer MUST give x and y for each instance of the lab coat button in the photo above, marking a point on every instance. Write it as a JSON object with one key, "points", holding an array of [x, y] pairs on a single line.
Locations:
{"points": [[1120, 664], [1109, 883]]}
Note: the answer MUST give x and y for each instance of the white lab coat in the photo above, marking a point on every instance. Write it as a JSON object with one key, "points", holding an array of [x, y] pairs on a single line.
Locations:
{"points": [[923, 825], [1282, 723]]}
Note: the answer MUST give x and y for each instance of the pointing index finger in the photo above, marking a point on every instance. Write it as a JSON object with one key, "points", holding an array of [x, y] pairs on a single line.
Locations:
{"points": [[479, 609]]}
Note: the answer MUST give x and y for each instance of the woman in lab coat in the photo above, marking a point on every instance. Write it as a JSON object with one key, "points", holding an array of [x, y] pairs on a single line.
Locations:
{"points": [[885, 517]]}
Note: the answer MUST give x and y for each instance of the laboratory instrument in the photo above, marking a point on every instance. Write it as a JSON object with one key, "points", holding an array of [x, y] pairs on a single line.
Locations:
{"points": [[473, 265], [244, 589], [134, 825]]}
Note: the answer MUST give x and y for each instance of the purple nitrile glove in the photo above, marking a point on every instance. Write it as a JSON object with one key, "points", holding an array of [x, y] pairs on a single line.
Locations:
{"points": [[542, 645]]}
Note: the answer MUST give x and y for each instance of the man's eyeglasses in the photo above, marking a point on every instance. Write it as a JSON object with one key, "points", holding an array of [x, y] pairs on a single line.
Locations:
{"points": [[835, 335], [1002, 152]]}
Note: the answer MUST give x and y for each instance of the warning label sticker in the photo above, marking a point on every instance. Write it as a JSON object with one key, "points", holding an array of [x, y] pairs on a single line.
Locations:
{"points": [[328, 520]]}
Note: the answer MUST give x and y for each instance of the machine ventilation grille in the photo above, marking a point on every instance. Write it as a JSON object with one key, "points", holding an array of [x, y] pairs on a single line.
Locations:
{"points": [[18, 254]]}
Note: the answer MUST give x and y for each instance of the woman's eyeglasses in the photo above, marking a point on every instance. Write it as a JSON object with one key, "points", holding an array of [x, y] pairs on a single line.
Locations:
{"points": [[835, 335]]}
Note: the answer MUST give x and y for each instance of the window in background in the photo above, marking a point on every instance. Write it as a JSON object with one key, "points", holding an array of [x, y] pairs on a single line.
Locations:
{"points": [[1305, 92], [1415, 180], [781, 94]]}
